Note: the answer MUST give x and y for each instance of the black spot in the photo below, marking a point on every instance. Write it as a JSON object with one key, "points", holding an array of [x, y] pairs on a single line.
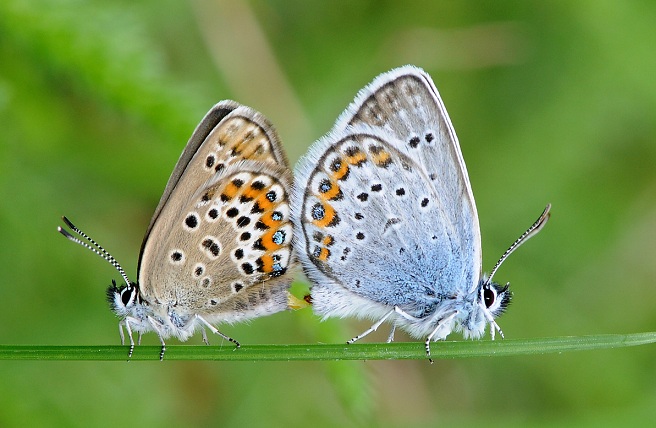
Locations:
{"points": [[357, 283], [276, 216], [433, 237], [318, 211], [335, 221], [429, 137], [316, 252], [345, 253], [401, 250], [317, 236], [363, 196], [239, 253], [376, 149], [432, 176], [400, 191], [360, 235], [414, 142], [257, 209], [206, 197], [209, 161], [214, 249], [232, 212], [245, 199], [376, 187], [198, 271], [259, 225], [247, 268], [258, 185], [245, 236], [238, 286], [205, 282], [243, 221], [213, 302], [234, 152], [207, 243], [271, 196], [359, 216], [351, 151], [191, 221], [219, 167], [238, 182], [213, 213], [176, 256], [424, 202], [257, 245]]}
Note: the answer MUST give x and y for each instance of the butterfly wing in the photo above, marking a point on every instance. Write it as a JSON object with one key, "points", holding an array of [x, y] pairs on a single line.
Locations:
{"points": [[383, 205], [238, 124], [404, 103], [190, 255]]}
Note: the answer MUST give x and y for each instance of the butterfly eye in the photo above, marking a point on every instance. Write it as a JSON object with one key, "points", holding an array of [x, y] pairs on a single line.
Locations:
{"points": [[126, 295], [488, 296]]}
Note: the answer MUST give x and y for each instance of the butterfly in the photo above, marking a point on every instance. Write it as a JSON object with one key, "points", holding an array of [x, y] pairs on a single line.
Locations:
{"points": [[386, 226], [218, 247]]}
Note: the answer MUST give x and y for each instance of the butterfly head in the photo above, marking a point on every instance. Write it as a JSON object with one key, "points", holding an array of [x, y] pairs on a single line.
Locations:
{"points": [[486, 302], [494, 298], [123, 300]]}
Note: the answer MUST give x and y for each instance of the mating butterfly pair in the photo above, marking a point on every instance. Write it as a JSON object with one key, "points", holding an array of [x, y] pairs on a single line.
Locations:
{"points": [[380, 214]]}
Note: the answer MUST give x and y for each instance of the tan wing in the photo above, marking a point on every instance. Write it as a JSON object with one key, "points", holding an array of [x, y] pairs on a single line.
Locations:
{"points": [[229, 132], [188, 256], [228, 250]]}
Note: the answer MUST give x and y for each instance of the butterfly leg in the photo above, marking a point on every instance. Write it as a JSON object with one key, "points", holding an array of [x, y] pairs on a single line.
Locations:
{"points": [[155, 326], [372, 328], [439, 325], [126, 323], [215, 331], [390, 338], [120, 332], [205, 341]]}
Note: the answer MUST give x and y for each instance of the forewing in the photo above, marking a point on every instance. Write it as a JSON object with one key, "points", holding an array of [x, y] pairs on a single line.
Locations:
{"points": [[406, 106], [228, 133]]}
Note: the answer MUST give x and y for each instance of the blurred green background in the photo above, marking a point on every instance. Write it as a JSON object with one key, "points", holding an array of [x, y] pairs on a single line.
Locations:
{"points": [[552, 101]]}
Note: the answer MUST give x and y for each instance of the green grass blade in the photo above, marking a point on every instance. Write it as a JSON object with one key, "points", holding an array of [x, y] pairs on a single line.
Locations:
{"points": [[323, 352]]}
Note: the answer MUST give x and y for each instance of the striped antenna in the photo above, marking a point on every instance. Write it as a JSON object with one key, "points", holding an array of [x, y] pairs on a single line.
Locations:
{"points": [[532, 231], [95, 247]]}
